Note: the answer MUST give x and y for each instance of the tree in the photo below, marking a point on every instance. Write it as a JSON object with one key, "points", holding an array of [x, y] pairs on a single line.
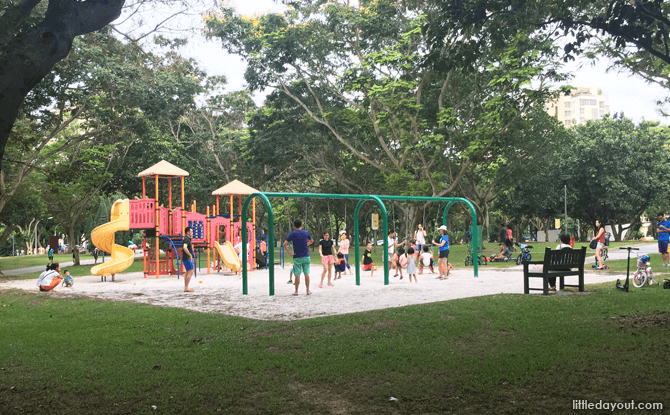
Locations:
{"points": [[635, 34], [615, 167], [105, 92], [361, 74], [33, 52]]}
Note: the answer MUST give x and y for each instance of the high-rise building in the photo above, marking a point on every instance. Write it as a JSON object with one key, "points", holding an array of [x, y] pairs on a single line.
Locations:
{"points": [[585, 102]]}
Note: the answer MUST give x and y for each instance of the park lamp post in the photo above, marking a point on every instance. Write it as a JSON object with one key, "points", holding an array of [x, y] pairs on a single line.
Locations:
{"points": [[38, 221], [565, 179]]}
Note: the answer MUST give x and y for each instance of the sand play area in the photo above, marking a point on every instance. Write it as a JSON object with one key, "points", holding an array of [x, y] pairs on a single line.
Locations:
{"points": [[221, 293]]}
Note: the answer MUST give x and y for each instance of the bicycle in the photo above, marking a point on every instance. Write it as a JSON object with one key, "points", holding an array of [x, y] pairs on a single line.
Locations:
{"points": [[604, 252], [525, 255], [643, 274]]}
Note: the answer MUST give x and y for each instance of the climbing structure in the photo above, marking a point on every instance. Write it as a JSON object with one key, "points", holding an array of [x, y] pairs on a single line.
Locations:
{"points": [[216, 233]]}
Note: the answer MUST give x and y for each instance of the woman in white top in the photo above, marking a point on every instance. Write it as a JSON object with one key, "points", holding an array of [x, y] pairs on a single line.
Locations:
{"points": [[50, 278], [420, 238]]}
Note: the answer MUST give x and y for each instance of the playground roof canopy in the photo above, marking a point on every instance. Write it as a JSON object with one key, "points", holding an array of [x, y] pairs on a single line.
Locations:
{"points": [[235, 187], [163, 168]]}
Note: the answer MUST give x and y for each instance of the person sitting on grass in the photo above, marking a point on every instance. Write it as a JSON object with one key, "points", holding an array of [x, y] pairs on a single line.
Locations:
{"points": [[49, 279], [504, 253]]}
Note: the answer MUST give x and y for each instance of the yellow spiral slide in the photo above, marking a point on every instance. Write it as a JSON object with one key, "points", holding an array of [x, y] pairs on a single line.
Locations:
{"points": [[103, 238]]}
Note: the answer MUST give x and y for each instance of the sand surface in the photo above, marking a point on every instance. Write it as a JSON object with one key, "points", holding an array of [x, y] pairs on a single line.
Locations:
{"points": [[222, 293]]}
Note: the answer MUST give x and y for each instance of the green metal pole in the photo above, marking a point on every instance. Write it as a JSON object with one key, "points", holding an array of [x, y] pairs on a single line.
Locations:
{"points": [[382, 207], [271, 242], [357, 250], [361, 198]]}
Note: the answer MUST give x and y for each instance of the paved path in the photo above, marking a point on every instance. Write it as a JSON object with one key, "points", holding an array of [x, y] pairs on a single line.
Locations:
{"points": [[614, 254], [39, 268]]}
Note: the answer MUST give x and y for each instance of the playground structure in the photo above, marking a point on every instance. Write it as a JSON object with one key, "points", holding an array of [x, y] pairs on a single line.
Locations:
{"points": [[160, 222], [103, 238], [167, 224]]}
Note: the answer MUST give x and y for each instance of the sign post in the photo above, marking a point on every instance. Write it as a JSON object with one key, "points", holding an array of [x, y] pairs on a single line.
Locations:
{"points": [[375, 226]]}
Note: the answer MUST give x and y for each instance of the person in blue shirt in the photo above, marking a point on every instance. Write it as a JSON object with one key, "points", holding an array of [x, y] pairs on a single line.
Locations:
{"points": [[443, 245], [301, 240], [663, 237]]}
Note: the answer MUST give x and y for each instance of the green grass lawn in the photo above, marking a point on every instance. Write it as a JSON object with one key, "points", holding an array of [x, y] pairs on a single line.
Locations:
{"points": [[501, 354], [24, 261], [78, 271]]}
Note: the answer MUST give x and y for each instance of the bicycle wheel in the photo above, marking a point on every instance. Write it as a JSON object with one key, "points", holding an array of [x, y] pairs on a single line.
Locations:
{"points": [[529, 257], [605, 254], [639, 278], [519, 259], [467, 260]]}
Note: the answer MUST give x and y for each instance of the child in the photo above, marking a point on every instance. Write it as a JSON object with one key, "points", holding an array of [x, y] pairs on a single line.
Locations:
{"points": [[411, 265], [67, 281], [401, 260], [340, 266], [426, 260], [367, 259]]}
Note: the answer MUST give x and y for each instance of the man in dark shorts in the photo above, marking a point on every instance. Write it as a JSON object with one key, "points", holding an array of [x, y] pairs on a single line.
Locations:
{"points": [[301, 240], [188, 257], [663, 237]]}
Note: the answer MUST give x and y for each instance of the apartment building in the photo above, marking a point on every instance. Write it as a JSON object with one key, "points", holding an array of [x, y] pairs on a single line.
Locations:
{"points": [[585, 102]]}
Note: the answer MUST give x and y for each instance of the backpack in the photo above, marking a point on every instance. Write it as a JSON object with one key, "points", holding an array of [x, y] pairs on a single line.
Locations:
{"points": [[607, 238]]}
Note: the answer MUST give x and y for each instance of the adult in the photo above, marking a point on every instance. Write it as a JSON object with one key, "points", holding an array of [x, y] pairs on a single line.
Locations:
{"points": [[503, 234], [392, 245], [188, 257], [663, 237], [420, 238], [301, 240], [565, 244], [599, 233], [510, 238], [50, 278], [504, 252], [327, 258], [95, 255], [443, 245], [344, 249]]}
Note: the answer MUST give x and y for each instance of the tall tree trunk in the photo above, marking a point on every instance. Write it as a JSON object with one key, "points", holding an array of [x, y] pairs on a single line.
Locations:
{"points": [[32, 54]]}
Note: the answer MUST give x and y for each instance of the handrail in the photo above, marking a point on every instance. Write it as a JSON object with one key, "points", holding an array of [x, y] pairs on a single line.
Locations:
{"points": [[171, 242]]}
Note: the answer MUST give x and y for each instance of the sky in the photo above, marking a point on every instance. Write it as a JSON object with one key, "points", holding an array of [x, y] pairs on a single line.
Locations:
{"points": [[626, 93]]}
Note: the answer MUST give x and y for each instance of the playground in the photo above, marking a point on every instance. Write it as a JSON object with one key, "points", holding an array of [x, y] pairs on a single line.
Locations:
{"points": [[369, 344], [222, 294], [226, 283]]}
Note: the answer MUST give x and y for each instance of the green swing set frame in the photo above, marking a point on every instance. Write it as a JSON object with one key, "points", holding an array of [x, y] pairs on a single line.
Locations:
{"points": [[265, 197]]}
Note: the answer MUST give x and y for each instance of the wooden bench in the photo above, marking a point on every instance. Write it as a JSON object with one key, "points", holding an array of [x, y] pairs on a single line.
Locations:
{"points": [[557, 264]]}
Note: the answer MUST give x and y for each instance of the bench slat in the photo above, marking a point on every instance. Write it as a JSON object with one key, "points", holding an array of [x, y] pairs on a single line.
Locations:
{"points": [[557, 264]]}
